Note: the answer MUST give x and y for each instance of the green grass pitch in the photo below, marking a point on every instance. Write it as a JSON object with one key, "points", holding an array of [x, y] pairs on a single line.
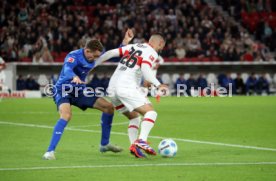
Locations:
{"points": [[218, 139]]}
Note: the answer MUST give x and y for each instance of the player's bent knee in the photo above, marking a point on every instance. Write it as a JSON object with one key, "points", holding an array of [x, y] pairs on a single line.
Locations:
{"points": [[151, 114], [144, 109], [104, 106], [65, 111], [109, 109], [66, 116], [131, 115]]}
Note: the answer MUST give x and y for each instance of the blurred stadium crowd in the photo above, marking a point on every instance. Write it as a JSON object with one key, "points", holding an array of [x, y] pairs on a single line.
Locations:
{"points": [[44, 31]]}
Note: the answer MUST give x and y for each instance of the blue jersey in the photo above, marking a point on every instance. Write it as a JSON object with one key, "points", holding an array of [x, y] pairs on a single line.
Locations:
{"points": [[75, 64]]}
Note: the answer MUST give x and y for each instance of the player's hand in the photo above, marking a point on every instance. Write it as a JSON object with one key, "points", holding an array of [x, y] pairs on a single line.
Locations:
{"points": [[77, 80], [163, 90], [147, 84], [128, 36]]}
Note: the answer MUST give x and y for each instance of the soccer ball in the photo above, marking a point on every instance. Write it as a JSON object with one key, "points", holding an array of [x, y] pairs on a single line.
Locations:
{"points": [[167, 148]]}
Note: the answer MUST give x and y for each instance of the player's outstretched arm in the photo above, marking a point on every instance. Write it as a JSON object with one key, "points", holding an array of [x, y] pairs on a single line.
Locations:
{"points": [[116, 52], [128, 37], [108, 55]]}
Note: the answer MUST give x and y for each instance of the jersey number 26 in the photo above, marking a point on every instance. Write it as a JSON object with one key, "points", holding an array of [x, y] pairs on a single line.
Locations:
{"points": [[131, 58]]}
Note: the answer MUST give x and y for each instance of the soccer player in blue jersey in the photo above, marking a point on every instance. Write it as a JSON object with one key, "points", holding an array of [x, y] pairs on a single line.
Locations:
{"points": [[69, 90]]}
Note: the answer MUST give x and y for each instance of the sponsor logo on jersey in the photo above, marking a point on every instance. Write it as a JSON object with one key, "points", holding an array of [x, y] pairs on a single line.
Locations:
{"points": [[151, 58], [71, 59]]}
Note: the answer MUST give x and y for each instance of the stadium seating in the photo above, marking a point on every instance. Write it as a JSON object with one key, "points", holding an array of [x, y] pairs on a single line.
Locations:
{"points": [[244, 76], [211, 78], [174, 77], [233, 75], [166, 79], [187, 76], [274, 80]]}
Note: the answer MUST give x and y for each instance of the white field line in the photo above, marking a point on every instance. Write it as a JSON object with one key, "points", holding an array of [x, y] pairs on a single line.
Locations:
{"points": [[154, 137], [46, 126], [45, 112], [97, 125], [141, 165]]}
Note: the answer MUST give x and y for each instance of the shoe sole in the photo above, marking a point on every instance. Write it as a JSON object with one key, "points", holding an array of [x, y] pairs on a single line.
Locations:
{"points": [[114, 151], [136, 155], [44, 158]]}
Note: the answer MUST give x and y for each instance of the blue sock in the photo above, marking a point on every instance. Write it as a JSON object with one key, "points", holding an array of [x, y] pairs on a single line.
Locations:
{"points": [[106, 127], [58, 130]]}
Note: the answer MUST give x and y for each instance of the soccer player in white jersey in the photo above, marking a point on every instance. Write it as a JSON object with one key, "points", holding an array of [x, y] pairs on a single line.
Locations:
{"points": [[125, 93]]}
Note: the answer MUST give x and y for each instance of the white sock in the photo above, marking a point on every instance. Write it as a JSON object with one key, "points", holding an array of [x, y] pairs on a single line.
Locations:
{"points": [[133, 129], [147, 124]]}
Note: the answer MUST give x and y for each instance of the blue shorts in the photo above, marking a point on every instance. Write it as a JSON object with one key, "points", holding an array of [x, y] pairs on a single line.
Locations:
{"points": [[83, 102]]}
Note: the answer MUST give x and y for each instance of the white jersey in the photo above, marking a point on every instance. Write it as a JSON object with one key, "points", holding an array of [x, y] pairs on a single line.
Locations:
{"points": [[128, 72], [159, 61]]}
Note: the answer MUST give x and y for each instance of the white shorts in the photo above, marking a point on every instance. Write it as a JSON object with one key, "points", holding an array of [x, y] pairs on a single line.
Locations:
{"points": [[127, 99]]}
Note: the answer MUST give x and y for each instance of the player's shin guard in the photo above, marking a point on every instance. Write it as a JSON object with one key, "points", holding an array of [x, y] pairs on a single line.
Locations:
{"points": [[106, 122], [147, 124], [133, 129], [57, 133]]}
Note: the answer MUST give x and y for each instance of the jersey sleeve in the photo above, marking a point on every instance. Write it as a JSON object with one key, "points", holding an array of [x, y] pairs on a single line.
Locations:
{"points": [[149, 58], [70, 63], [124, 50], [160, 60], [107, 55], [149, 75]]}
